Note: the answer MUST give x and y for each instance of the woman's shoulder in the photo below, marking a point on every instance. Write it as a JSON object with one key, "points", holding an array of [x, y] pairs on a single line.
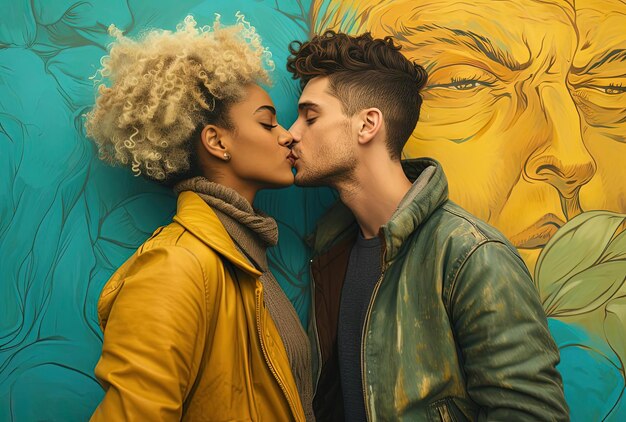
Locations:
{"points": [[177, 239], [171, 261], [170, 255]]}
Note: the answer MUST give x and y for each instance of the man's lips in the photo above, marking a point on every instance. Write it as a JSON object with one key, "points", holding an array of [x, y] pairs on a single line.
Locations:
{"points": [[537, 235], [292, 158]]}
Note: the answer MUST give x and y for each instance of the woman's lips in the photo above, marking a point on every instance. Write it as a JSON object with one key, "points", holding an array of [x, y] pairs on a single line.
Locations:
{"points": [[292, 158], [538, 234]]}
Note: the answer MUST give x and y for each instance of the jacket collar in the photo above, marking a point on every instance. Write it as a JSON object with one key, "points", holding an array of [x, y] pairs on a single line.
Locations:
{"points": [[418, 204], [199, 219]]}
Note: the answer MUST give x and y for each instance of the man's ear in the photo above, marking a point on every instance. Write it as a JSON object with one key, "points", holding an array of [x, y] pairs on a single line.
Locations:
{"points": [[213, 142], [370, 124]]}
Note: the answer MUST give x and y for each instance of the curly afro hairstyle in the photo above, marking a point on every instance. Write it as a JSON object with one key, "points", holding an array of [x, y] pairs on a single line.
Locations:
{"points": [[165, 87], [365, 72]]}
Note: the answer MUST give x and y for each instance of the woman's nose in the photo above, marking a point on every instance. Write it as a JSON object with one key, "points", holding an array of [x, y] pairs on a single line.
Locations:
{"points": [[285, 139]]}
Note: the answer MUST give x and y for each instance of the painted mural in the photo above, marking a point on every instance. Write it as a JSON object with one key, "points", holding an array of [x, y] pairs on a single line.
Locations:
{"points": [[525, 109]]}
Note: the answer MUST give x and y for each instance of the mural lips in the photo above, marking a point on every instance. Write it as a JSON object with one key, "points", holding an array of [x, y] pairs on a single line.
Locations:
{"points": [[539, 233]]}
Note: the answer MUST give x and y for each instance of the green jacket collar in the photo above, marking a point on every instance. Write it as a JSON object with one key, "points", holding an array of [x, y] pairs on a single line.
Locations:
{"points": [[419, 203]]}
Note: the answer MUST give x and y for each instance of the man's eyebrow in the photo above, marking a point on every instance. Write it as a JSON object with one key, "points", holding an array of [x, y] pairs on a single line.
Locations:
{"points": [[266, 107], [474, 41], [306, 105], [608, 56]]}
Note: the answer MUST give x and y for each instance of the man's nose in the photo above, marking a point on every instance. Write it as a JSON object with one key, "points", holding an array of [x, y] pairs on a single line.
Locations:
{"points": [[562, 159], [295, 133]]}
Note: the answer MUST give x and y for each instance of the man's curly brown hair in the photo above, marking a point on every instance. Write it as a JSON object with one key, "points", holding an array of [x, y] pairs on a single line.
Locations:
{"points": [[364, 72], [165, 87]]}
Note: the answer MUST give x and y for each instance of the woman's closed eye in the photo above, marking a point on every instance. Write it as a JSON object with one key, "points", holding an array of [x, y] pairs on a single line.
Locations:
{"points": [[268, 126]]}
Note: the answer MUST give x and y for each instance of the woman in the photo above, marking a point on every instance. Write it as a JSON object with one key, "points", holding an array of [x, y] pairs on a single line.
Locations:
{"points": [[195, 326]]}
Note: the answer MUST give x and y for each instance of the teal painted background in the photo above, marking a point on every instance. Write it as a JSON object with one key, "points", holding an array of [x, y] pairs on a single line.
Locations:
{"points": [[67, 221]]}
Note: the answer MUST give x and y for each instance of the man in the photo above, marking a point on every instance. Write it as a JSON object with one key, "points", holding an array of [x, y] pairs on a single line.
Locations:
{"points": [[420, 310], [525, 109]]}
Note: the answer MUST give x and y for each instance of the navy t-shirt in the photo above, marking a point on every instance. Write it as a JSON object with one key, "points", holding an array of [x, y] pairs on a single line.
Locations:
{"points": [[364, 269]]}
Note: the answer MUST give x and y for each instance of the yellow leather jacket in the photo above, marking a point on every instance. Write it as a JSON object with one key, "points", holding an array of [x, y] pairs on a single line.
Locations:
{"points": [[186, 332]]}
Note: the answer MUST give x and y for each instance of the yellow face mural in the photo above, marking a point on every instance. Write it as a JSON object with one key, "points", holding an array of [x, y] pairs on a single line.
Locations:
{"points": [[598, 84], [529, 130]]}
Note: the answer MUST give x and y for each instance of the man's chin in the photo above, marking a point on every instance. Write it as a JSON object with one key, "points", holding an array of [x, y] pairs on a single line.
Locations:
{"points": [[323, 178], [307, 182]]}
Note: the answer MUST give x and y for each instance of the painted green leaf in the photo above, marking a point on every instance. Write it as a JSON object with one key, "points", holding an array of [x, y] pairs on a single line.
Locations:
{"points": [[576, 247], [616, 249], [587, 290], [614, 323]]}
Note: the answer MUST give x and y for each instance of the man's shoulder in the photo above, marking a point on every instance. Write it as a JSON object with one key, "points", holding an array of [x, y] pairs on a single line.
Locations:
{"points": [[453, 235], [463, 243], [461, 226]]}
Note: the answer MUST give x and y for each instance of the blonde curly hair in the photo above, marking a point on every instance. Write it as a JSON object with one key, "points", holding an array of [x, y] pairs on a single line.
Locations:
{"points": [[165, 87]]}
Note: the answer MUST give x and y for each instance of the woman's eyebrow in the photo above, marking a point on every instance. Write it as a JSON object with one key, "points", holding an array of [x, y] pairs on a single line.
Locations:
{"points": [[266, 107]]}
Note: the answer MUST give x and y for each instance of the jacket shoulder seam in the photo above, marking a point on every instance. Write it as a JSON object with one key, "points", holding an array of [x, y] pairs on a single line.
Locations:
{"points": [[459, 267], [450, 281], [106, 292], [485, 236]]}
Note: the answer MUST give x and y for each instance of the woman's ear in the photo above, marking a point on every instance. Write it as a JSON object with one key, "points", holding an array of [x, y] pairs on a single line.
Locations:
{"points": [[370, 124], [212, 138]]}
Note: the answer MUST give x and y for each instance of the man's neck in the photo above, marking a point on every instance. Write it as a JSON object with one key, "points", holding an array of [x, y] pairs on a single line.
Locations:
{"points": [[374, 193]]}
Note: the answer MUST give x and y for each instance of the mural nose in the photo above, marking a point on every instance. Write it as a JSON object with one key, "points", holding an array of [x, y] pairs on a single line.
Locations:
{"points": [[563, 171], [562, 159]]}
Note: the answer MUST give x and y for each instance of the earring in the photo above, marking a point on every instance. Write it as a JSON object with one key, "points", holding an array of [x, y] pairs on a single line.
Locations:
{"points": [[226, 156]]}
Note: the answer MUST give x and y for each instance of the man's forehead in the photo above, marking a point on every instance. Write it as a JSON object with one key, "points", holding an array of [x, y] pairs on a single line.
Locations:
{"points": [[316, 85], [315, 93]]}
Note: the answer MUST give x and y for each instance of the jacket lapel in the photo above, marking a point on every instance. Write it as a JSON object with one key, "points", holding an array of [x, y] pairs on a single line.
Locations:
{"points": [[199, 219]]}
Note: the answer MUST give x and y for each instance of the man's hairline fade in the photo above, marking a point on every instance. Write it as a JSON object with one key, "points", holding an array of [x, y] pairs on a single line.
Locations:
{"points": [[393, 62]]}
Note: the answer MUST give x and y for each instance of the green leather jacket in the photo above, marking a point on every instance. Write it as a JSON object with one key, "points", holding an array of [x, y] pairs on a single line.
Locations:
{"points": [[454, 330]]}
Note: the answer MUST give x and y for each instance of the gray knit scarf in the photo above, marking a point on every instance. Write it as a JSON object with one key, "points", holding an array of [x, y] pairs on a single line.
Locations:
{"points": [[253, 232]]}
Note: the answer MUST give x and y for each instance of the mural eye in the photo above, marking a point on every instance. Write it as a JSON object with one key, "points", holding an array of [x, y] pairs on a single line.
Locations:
{"points": [[612, 89], [462, 84], [461, 78], [465, 85]]}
